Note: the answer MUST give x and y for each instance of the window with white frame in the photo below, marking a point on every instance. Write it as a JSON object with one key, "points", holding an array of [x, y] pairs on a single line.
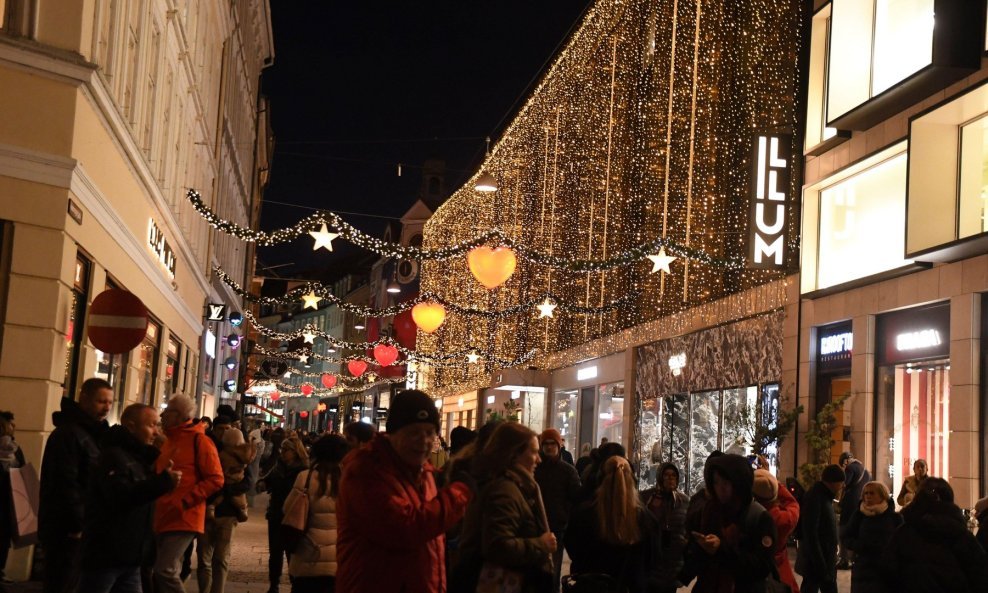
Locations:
{"points": [[860, 211], [817, 131], [875, 44]]}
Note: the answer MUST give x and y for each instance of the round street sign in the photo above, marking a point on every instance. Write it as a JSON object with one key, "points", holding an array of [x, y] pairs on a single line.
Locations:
{"points": [[118, 321]]}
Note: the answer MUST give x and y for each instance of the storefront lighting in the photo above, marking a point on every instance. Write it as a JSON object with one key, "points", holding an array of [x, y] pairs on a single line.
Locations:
{"points": [[365, 420], [586, 373], [236, 319], [515, 394], [333, 410], [439, 404], [617, 398], [526, 388], [358, 326], [233, 341], [230, 363], [490, 399], [393, 287], [230, 385], [459, 402], [606, 416], [926, 338]]}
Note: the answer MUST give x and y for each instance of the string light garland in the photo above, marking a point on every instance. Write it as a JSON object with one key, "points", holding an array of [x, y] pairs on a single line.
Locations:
{"points": [[323, 238], [312, 292], [636, 143], [292, 355]]}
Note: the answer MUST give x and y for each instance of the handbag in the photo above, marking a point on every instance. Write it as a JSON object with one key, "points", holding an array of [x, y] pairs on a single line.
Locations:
{"points": [[24, 496], [494, 578], [296, 519]]}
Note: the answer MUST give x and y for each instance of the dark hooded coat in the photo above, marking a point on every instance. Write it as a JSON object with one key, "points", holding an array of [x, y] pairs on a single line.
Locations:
{"points": [[745, 557], [70, 455], [817, 554], [855, 478], [670, 536], [933, 552], [867, 537]]}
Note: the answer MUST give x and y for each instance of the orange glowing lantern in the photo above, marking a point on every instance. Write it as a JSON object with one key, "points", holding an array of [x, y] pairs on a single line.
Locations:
{"points": [[356, 367], [428, 316], [491, 267], [385, 354]]}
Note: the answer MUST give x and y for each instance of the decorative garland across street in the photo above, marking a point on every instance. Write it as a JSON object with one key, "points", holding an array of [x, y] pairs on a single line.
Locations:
{"points": [[345, 230], [316, 288], [299, 354]]}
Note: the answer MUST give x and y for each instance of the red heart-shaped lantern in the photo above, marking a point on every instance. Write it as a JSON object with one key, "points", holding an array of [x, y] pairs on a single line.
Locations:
{"points": [[428, 316], [303, 414], [306, 389], [385, 354], [275, 396], [356, 367], [491, 267], [328, 380]]}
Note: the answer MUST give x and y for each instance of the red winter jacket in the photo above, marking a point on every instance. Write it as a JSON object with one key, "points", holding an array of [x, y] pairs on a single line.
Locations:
{"points": [[785, 513], [194, 454], [392, 523]]}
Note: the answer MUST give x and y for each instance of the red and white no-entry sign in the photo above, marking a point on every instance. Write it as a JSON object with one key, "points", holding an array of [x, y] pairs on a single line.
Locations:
{"points": [[118, 321]]}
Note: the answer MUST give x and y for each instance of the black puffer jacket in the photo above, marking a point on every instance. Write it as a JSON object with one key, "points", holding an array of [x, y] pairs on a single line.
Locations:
{"points": [[70, 455], [120, 503], [669, 537], [746, 530], [933, 552], [560, 486], [867, 536]]}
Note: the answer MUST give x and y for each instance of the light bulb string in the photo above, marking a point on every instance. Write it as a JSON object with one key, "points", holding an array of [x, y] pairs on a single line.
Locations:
{"points": [[295, 355]]}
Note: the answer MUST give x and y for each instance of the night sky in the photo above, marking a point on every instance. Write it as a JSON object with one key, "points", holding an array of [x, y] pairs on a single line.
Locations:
{"points": [[358, 87]]}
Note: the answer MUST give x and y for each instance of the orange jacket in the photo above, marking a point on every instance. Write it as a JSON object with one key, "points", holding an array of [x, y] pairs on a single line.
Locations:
{"points": [[194, 454], [785, 513], [392, 523]]}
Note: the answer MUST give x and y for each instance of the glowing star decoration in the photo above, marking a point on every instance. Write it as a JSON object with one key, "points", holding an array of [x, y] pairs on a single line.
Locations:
{"points": [[473, 357], [661, 261], [303, 358], [308, 337], [385, 354], [428, 316], [311, 300], [323, 238], [356, 367], [546, 308], [328, 380], [491, 267]]}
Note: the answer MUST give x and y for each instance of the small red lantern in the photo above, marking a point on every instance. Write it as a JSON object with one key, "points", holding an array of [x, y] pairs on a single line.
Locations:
{"points": [[356, 367], [306, 389], [303, 414], [385, 354], [328, 380], [275, 396]]}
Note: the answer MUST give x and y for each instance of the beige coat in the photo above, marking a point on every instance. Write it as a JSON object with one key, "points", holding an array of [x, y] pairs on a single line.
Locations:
{"points": [[316, 553]]}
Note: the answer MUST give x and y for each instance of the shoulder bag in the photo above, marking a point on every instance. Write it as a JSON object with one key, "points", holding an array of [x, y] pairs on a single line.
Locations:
{"points": [[296, 519]]}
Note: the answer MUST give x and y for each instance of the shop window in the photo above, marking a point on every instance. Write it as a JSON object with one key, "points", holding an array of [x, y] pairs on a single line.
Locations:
{"points": [[973, 198], [564, 417], [819, 136], [173, 368], [874, 45], [74, 326], [859, 212], [147, 364], [610, 412]]}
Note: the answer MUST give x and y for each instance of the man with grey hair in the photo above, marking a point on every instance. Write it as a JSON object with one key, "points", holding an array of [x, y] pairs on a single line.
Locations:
{"points": [[180, 515]]}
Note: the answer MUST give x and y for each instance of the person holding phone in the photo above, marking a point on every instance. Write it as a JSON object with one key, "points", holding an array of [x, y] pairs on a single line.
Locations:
{"points": [[732, 537]]}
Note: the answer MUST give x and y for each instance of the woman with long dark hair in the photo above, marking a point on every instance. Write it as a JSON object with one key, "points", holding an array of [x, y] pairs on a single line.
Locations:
{"points": [[505, 532], [292, 460], [313, 563]]}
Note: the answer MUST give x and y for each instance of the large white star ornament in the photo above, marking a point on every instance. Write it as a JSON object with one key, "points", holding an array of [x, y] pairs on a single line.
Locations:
{"points": [[661, 261], [303, 358], [311, 300], [473, 357], [323, 238], [546, 308], [308, 337]]}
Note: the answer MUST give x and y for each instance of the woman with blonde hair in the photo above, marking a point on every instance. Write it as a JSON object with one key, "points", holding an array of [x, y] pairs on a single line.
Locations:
{"points": [[505, 532], [606, 534], [867, 534]]}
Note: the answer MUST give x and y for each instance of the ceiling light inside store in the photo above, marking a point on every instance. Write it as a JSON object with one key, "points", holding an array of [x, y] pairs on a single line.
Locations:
{"points": [[526, 388]]}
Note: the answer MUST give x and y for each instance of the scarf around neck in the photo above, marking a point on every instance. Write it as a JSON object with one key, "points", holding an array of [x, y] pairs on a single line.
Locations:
{"points": [[875, 509]]}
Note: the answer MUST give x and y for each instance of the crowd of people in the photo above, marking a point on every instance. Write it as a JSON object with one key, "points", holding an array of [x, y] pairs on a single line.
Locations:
{"points": [[123, 509]]}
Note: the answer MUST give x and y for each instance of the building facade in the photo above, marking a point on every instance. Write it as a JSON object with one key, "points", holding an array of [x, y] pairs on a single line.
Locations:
{"points": [[895, 248], [113, 111]]}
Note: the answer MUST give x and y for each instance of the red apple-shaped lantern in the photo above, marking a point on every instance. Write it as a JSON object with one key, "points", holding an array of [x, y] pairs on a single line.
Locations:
{"points": [[491, 267], [428, 316], [356, 367], [385, 354], [328, 380], [306, 389]]}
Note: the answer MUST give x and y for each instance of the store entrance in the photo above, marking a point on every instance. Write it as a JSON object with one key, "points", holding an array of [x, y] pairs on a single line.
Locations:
{"points": [[588, 397]]}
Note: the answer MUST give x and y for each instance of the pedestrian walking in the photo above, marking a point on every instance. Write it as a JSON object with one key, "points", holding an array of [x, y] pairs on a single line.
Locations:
{"points": [[389, 511], [560, 486], [313, 562], [732, 537], [867, 535], [816, 558], [784, 510], [933, 551], [506, 535], [667, 506], [180, 515], [585, 459], [358, 434], [591, 476], [607, 534], [855, 478], [70, 455], [292, 460], [11, 457], [910, 486], [117, 537]]}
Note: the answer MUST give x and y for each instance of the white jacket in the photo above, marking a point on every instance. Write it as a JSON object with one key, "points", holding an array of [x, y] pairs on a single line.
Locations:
{"points": [[316, 553]]}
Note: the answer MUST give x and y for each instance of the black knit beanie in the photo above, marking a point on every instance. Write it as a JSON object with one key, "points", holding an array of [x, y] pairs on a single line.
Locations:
{"points": [[409, 407]]}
